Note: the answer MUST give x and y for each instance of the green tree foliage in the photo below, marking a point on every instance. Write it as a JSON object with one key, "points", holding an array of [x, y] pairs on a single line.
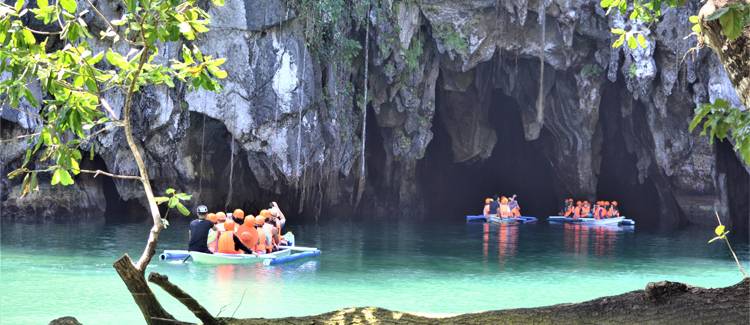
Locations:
{"points": [[74, 77], [719, 119]]}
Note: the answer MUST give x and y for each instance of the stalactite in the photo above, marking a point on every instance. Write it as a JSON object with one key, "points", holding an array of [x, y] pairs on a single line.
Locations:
{"points": [[301, 89], [540, 97], [362, 177], [200, 168], [231, 175]]}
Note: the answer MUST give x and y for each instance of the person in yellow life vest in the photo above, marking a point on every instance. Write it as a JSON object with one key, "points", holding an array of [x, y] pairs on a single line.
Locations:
{"points": [[613, 210], [504, 208], [229, 243], [486, 211]]}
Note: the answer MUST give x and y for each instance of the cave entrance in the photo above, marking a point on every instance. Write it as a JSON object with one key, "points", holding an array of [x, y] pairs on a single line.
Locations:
{"points": [[514, 165]]}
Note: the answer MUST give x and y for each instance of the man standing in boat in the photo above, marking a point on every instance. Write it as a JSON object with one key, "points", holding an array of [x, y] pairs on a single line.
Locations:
{"points": [[199, 231]]}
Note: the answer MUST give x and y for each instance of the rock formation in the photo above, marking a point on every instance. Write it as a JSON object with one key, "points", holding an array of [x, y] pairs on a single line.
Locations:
{"points": [[288, 124]]}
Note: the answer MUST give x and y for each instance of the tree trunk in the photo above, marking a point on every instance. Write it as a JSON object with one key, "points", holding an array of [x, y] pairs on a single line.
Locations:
{"points": [[142, 294], [660, 303], [734, 55], [196, 308]]}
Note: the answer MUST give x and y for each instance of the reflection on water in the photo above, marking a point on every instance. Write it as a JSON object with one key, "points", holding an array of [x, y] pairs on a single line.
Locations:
{"points": [[582, 239], [507, 240]]}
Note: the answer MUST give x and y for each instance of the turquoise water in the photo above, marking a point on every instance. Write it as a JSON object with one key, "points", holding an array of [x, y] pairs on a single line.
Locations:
{"points": [[430, 267]]}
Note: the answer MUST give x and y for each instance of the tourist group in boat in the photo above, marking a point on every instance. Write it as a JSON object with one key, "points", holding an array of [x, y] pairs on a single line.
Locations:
{"points": [[235, 233], [584, 209], [502, 206]]}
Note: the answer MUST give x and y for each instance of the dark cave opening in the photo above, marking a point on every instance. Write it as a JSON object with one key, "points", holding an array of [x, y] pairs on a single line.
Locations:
{"points": [[515, 166], [737, 184], [117, 210], [618, 173]]}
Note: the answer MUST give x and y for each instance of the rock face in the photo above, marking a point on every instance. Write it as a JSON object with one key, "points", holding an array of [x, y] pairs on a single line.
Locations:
{"points": [[288, 125]]}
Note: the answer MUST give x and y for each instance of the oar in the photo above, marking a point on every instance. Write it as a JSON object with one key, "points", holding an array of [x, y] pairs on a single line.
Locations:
{"points": [[186, 258]]}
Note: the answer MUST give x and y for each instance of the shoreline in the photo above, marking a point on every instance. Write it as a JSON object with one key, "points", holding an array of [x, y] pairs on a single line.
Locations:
{"points": [[660, 302]]}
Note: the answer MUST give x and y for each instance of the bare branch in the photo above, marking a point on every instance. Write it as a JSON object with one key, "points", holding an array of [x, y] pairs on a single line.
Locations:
{"points": [[196, 308], [101, 172], [20, 137]]}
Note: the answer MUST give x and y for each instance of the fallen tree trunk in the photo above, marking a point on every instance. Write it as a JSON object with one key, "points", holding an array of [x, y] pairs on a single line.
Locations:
{"points": [[662, 303], [196, 308], [150, 307]]}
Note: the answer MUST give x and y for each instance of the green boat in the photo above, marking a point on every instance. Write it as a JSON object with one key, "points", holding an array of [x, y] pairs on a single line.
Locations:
{"points": [[219, 258]]}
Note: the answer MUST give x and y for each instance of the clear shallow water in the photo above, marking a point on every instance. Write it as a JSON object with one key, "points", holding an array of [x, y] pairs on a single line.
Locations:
{"points": [[442, 268]]}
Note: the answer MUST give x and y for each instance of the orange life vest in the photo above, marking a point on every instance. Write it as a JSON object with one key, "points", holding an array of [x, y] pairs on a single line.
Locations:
{"points": [[585, 211], [248, 236], [226, 243], [505, 210]]}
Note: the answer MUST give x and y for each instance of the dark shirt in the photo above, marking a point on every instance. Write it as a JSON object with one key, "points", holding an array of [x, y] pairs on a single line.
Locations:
{"points": [[199, 235], [494, 205]]}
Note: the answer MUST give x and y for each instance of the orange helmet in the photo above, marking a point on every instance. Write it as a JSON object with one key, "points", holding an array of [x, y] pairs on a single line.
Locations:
{"points": [[579, 202], [221, 216], [504, 200], [260, 220], [487, 201], [265, 213], [212, 217], [239, 214], [229, 225], [614, 203]]}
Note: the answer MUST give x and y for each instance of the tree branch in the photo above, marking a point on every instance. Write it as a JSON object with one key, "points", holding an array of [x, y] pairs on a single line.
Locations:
{"points": [[196, 308], [101, 172]]}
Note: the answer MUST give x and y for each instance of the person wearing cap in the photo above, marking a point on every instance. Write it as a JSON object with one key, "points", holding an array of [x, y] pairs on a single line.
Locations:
{"points": [[515, 209], [486, 211], [613, 210], [495, 205], [198, 232]]}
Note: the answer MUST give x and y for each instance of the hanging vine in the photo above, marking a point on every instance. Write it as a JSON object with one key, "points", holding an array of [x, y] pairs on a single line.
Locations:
{"points": [[362, 178]]}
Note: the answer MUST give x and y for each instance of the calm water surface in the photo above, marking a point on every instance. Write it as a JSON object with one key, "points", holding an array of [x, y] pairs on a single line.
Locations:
{"points": [[437, 268]]}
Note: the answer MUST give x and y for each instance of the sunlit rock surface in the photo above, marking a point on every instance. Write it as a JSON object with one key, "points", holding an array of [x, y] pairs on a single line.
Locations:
{"points": [[288, 124]]}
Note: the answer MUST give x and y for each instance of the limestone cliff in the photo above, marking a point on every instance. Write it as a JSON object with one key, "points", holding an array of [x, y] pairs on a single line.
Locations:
{"points": [[288, 124]]}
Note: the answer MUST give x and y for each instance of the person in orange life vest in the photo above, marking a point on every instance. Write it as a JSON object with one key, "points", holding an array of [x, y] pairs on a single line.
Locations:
{"points": [[578, 210], [246, 230], [268, 230], [568, 207], [515, 209], [221, 218], [598, 209], [486, 210], [586, 209], [613, 210], [262, 246], [229, 243], [504, 209], [213, 234]]}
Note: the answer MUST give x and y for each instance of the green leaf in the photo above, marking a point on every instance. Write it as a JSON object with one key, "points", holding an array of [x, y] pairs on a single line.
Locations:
{"points": [[69, 5], [183, 196], [56, 177], [694, 19], [74, 166], [718, 13], [620, 40], [19, 5], [172, 202], [170, 191], [116, 59], [719, 230], [220, 3], [642, 41], [697, 29], [161, 199], [631, 41], [618, 31], [28, 37], [183, 210], [42, 4], [65, 178]]}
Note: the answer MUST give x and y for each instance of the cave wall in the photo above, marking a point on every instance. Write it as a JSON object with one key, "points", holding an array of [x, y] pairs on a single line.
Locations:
{"points": [[294, 120]]}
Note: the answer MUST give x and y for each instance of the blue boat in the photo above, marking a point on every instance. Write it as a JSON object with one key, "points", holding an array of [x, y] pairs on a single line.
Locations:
{"points": [[620, 221], [493, 218]]}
